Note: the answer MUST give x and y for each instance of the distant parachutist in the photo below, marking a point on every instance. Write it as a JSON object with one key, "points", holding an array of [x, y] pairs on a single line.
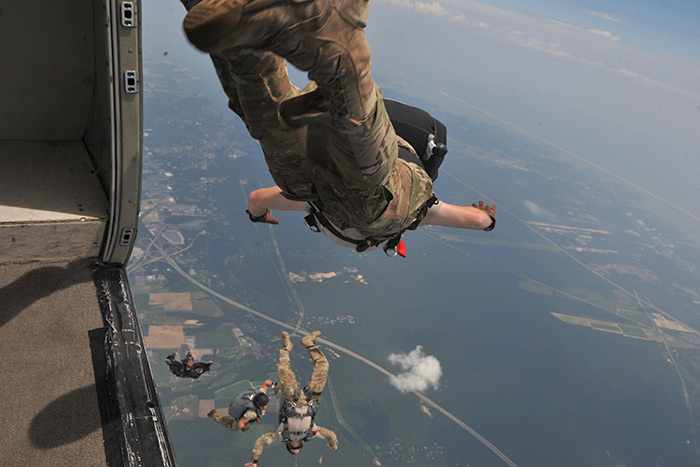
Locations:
{"points": [[298, 410], [246, 408], [187, 367]]}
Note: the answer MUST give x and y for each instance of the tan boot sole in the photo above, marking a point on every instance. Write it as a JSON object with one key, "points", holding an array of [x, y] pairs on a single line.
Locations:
{"points": [[211, 20]]}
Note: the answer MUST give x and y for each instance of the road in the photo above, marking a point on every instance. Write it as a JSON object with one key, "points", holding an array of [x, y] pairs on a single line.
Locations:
{"points": [[297, 327]]}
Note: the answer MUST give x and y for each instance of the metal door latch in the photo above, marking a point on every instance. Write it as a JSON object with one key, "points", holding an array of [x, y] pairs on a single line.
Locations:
{"points": [[131, 82], [128, 20]]}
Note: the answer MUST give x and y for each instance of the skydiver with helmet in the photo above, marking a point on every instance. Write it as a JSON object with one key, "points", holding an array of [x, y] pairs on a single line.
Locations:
{"points": [[187, 367], [246, 408], [298, 409]]}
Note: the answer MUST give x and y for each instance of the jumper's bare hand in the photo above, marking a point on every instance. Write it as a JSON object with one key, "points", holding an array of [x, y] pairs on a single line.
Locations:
{"points": [[489, 209]]}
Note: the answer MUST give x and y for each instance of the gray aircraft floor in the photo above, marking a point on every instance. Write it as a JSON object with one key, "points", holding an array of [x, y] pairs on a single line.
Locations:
{"points": [[50, 415]]}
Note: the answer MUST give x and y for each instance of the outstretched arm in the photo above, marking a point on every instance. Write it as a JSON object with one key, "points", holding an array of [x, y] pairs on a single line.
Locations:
{"points": [[271, 198], [329, 436], [269, 384], [478, 216], [265, 386], [263, 199], [260, 443]]}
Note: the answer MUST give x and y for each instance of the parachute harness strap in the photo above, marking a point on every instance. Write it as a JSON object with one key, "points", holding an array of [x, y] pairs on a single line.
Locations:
{"points": [[316, 216], [391, 247]]}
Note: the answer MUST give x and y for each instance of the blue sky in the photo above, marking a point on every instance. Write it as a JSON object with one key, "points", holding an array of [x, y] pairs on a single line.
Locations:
{"points": [[614, 83], [662, 26]]}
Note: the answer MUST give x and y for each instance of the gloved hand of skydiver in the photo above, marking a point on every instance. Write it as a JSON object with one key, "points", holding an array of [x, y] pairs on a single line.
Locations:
{"points": [[272, 385], [245, 428], [265, 218], [488, 209]]}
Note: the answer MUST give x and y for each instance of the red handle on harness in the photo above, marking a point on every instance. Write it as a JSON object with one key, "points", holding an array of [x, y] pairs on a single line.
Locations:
{"points": [[401, 249]]}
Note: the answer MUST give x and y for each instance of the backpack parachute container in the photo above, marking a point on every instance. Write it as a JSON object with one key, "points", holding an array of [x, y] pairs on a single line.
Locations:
{"points": [[242, 403], [426, 134]]}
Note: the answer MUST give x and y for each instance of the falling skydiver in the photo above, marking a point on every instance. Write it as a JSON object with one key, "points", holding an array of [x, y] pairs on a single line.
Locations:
{"points": [[299, 407], [331, 149], [187, 367], [246, 408]]}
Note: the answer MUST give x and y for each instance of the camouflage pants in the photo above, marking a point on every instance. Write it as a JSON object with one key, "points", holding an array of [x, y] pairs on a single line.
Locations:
{"points": [[351, 169], [255, 83], [225, 421], [348, 164], [289, 381]]}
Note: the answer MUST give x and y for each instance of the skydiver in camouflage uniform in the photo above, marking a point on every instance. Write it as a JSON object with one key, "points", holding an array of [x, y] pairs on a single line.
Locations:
{"points": [[300, 404], [330, 148]]}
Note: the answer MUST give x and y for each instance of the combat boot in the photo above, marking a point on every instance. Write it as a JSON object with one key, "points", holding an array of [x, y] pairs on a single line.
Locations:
{"points": [[310, 340], [323, 37], [216, 25], [286, 342]]}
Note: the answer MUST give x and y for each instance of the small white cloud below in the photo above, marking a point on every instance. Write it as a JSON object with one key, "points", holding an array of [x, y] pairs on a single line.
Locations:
{"points": [[420, 371]]}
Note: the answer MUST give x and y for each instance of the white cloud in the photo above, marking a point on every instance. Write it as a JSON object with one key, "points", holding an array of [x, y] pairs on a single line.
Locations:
{"points": [[420, 371], [652, 83], [433, 9], [436, 10], [605, 16], [538, 211], [597, 32]]}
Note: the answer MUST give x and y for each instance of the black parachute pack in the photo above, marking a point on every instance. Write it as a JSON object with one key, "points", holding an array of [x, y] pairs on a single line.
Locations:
{"points": [[426, 134], [244, 402]]}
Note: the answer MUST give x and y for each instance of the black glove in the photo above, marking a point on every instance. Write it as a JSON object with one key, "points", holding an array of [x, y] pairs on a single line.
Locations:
{"points": [[265, 218]]}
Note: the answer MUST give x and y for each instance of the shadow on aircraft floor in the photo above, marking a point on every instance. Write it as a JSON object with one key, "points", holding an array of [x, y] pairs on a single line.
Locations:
{"points": [[65, 420], [38, 283]]}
